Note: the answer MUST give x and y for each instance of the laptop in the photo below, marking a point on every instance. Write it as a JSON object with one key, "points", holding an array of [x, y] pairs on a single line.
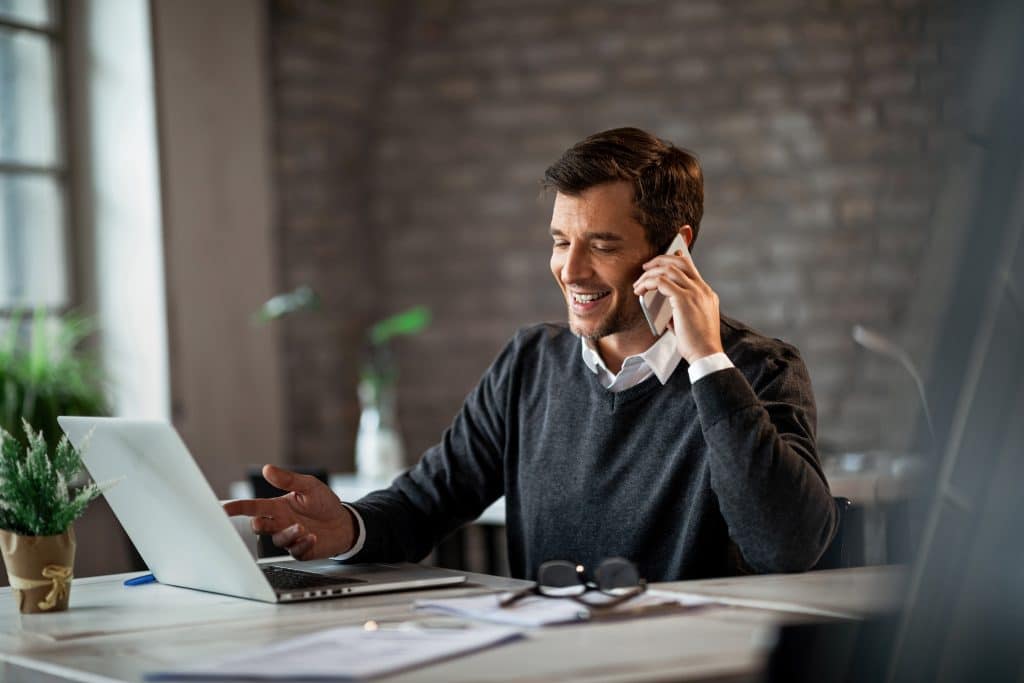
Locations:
{"points": [[178, 526]]}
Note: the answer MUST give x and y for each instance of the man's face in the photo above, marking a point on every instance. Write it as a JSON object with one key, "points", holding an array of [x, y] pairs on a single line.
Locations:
{"points": [[597, 254]]}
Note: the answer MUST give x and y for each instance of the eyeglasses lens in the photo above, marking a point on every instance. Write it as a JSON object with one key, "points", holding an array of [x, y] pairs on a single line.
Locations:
{"points": [[559, 578], [616, 573]]}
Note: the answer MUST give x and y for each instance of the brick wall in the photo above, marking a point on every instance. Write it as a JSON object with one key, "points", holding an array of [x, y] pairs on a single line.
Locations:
{"points": [[410, 138]]}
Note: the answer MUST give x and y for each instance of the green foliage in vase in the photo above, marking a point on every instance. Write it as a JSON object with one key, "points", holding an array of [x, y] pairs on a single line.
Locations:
{"points": [[36, 495], [47, 374], [303, 298], [408, 322], [379, 369]]}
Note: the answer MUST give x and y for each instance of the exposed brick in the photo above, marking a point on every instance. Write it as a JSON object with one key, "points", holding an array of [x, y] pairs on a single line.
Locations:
{"points": [[690, 11], [410, 139], [824, 92], [911, 114], [890, 84], [570, 81], [748, 65], [815, 214], [809, 147], [821, 62], [765, 35], [845, 117], [826, 32], [763, 155], [856, 210], [767, 93], [739, 124], [640, 75], [690, 69]]}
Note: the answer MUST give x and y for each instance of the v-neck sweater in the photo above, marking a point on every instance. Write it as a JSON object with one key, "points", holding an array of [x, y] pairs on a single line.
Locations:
{"points": [[688, 481]]}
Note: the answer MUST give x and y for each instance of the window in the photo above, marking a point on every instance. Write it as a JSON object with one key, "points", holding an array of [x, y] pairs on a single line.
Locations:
{"points": [[33, 159]]}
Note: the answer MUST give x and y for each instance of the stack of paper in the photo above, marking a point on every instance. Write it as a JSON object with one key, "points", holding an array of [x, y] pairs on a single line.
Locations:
{"points": [[537, 610], [346, 653]]}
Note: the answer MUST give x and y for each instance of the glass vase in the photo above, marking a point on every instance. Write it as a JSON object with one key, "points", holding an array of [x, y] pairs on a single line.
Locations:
{"points": [[380, 455]]}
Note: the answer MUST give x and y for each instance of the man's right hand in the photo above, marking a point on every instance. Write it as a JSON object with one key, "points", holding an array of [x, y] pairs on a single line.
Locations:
{"points": [[309, 522]]}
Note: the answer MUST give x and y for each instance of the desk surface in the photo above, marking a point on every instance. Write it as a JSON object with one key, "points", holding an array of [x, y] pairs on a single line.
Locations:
{"points": [[115, 633]]}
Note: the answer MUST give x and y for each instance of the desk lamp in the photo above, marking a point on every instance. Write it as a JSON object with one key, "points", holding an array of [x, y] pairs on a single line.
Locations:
{"points": [[873, 341]]}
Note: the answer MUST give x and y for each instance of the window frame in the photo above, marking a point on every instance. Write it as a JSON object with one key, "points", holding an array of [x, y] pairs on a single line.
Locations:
{"points": [[57, 33]]}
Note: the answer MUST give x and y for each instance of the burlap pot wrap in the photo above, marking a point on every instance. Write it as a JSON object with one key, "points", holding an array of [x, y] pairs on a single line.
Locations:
{"points": [[39, 569]]}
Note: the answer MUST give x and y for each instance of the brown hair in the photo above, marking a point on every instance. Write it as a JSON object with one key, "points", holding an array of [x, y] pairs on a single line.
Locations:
{"points": [[668, 185]]}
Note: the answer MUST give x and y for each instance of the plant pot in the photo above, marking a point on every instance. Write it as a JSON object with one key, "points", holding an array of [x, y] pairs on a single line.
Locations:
{"points": [[39, 569]]}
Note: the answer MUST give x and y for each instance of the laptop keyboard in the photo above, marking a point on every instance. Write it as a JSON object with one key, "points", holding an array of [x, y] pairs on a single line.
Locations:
{"points": [[288, 579]]}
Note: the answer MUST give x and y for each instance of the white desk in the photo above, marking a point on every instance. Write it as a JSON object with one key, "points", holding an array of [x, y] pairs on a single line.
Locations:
{"points": [[116, 633]]}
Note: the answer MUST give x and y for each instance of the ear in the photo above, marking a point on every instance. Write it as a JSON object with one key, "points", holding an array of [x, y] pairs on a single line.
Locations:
{"points": [[687, 232]]}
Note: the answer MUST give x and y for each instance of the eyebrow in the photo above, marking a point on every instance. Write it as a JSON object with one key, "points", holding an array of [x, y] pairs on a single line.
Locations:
{"points": [[602, 236]]}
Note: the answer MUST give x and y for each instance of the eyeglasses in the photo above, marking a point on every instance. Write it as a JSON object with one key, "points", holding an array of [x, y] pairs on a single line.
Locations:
{"points": [[616, 577]]}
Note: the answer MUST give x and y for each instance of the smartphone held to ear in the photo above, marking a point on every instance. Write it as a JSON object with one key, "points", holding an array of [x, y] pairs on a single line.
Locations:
{"points": [[656, 307]]}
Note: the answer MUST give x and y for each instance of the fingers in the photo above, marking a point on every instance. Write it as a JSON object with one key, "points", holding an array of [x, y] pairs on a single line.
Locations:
{"points": [[270, 525], [296, 540], [290, 481], [670, 273], [680, 259], [252, 507], [304, 549], [670, 289]]}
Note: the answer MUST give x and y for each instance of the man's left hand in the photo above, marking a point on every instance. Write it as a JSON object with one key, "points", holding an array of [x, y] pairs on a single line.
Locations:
{"points": [[695, 318]]}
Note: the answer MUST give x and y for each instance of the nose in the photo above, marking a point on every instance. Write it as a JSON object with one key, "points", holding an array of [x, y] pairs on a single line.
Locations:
{"points": [[576, 267]]}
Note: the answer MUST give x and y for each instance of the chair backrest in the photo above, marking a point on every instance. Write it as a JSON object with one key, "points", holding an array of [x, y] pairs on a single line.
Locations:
{"points": [[840, 553]]}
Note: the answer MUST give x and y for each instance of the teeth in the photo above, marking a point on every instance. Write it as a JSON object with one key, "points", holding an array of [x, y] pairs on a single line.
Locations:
{"points": [[587, 298]]}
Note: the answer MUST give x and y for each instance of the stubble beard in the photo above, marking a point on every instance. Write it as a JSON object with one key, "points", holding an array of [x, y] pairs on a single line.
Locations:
{"points": [[621, 319]]}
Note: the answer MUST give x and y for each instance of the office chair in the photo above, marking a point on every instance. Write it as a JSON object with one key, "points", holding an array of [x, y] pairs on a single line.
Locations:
{"points": [[847, 548]]}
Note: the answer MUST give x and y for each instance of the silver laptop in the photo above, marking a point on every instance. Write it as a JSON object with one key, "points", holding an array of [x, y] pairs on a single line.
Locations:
{"points": [[178, 526]]}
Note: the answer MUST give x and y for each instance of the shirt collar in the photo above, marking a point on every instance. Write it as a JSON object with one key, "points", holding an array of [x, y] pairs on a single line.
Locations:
{"points": [[662, 357]]}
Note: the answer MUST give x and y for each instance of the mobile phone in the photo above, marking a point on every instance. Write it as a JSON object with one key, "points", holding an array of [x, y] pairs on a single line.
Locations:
{"points": [[655, 305]]}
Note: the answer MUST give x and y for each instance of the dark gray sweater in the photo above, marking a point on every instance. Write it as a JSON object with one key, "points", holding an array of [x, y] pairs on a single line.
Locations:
{"points": [[712, 479]]}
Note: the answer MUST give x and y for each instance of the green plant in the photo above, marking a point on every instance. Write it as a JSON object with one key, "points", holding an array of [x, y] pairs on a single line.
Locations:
{"points": [[379, 369], [303, 298], [408, 322], [36, 497], [47, 374]]}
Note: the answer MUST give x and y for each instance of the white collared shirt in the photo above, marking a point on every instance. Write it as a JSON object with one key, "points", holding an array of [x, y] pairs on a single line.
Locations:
{"points": [[661, 360]]}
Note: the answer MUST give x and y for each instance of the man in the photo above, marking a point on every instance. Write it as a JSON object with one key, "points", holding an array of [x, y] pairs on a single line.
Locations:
{"points": [[691, 454]]}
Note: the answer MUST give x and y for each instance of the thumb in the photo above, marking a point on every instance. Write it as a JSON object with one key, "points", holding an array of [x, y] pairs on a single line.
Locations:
{"points": [[288, 480]]}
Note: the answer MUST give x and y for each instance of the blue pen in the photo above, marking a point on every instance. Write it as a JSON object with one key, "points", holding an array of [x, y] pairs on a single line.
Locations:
{"points": [[140, 580]]}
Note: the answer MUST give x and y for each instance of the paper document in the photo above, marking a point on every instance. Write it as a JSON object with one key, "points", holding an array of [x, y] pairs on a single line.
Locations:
{"points": [[537, 610], [346, 653]]}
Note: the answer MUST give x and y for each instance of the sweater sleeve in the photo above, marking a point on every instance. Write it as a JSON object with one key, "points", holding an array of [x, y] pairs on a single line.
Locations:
{"points": [[764, 465], [452, 483]]}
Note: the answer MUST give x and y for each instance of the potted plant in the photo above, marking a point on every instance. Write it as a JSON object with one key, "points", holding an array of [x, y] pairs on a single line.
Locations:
{"points": [[38, 505], [302, 298], [380, 453], [46, 373]]}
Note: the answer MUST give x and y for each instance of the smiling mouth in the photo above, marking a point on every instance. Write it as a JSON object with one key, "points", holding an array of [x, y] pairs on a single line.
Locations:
{"points": [[580, 298]]}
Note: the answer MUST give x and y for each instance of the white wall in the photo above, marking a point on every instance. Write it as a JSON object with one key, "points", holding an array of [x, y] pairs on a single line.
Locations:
{"points": [[117, 210], [117, 240], [173, 229], [212, 108]]}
